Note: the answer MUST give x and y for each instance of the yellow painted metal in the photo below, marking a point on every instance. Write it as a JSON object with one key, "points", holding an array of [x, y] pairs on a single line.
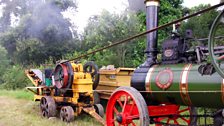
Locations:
{"points": [[33, 78], [82, 83], [77, 67], [110, 79], [37, 97], [81, 86], [93, 113]]}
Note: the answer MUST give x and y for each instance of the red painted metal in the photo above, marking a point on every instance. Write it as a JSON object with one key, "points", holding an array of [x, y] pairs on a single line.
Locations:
{"points": [[122, 110], [122, 105], [175, 116], [162, 110], [65, 76]]}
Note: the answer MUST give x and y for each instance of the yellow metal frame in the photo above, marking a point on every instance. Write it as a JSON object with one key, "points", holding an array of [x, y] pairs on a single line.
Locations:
{"points": [[111, 79], [82, 83]]}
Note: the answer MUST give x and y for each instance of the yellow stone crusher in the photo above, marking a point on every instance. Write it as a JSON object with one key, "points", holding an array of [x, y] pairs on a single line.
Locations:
{"points": [[68, 88]]}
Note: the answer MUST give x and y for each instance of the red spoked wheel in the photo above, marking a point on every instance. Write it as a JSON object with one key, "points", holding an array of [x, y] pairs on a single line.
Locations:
{"points": [[179, 118], [127, 107]]}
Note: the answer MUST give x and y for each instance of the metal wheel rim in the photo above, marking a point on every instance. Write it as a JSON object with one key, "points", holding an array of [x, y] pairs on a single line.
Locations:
{"points": [[61, 76], [47, 107], [67, 114], [44, 108], [211, 45], [99, 109], [126, 116]]}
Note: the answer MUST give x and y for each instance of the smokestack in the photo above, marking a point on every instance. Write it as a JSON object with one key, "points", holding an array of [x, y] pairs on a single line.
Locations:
{"points": [[152, 8]]}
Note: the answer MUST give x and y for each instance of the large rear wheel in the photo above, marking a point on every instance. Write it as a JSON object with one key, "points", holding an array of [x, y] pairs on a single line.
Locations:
{"points": [[126, 106], [216, 44], [184, 116]]}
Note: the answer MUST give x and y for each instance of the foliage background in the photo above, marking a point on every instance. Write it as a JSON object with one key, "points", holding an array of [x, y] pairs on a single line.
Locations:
{"points": [[44, 36]]}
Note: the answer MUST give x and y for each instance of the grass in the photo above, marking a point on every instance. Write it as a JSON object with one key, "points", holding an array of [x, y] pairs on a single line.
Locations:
{"points": [[18, 94], [18, 109]]}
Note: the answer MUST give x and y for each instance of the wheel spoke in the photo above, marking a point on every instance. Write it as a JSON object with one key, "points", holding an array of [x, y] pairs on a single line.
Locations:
{"points": [[177, 118], [175, 121], [116, 111], [46, 106], [112, 120], [125, 103], [168, 121], [185, 119], [132, 123], [220, 59], [44, 101], [132, 106], [42, 106], [43, 113], [119, 102], [186, 109], [161, 118]]}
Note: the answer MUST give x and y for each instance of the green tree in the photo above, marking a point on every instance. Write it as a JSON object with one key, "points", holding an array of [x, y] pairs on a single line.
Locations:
{"points": [[200, 25], [14, 78], [106, 28], [8, 41], [42, 32], [4, 62]]}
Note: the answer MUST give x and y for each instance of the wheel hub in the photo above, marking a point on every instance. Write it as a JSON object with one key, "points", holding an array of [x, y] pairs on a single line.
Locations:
{"points": [[123, 118], [119, 118]]}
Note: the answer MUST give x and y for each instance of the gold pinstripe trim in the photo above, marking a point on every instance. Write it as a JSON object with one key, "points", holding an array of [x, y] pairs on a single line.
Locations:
{"points": [[184, 85], [148, 79]]}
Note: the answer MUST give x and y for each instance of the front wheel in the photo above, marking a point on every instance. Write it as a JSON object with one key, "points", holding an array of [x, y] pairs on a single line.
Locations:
{"points": [[67, 114], [48, 107], [126, 106]]}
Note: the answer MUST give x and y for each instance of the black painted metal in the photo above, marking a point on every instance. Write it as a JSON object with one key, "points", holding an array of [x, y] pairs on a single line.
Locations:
{"points": [[138, 78], [152, 38]]}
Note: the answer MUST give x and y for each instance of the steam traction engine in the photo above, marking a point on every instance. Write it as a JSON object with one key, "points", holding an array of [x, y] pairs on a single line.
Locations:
{"points": [[68, 88], [184, 77]]}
